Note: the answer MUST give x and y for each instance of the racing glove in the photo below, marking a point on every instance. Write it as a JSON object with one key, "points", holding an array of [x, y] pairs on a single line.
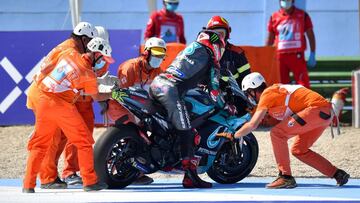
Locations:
{"points": [[226, 135], [311, 63], [117, 95]]}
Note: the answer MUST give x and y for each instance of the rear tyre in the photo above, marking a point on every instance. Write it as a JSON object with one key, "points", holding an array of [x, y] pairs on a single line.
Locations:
{"points": [[113, 155]]}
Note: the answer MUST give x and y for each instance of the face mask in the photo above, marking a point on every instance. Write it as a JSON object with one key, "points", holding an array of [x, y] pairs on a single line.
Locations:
{"points": [[285, 4], [171, 7], [155, 62], [99, 65]]}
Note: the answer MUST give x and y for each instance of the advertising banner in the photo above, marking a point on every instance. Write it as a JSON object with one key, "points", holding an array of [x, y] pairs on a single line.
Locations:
{"points": [[21, 54]]}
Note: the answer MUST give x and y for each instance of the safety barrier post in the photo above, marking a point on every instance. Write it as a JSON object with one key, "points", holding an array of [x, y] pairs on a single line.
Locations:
{"points": [[356, 98]]}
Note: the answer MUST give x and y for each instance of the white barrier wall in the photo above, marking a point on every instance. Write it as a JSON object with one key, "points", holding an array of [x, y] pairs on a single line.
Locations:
{"points": [[336, 23]]}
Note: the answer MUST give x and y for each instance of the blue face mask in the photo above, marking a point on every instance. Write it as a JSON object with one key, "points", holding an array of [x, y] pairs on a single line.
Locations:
{"points": [[99, 65], [171, 7], [285, 4], [155, 62]]}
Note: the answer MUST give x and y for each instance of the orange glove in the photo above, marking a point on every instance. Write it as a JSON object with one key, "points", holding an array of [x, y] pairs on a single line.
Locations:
{"points": [[227, 135]]}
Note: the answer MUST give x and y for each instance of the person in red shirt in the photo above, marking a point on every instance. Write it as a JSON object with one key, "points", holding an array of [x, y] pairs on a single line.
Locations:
{"points": [[303, 115], [166, 24], [287, 28]]}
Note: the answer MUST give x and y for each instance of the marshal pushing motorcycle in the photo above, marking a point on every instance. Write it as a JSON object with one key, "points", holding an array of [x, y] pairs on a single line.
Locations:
{"points": [[179, 123]]}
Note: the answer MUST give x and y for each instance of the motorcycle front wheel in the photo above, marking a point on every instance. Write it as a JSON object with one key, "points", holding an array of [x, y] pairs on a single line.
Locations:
{"points": [[230, 167]]}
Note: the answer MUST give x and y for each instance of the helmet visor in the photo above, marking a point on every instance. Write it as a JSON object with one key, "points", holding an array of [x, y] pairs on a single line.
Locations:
{"points": [[221, 32]]}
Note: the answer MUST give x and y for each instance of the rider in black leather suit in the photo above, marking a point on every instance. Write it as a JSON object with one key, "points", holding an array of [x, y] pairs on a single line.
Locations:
{"points": [[234, 60], [197, 64]]}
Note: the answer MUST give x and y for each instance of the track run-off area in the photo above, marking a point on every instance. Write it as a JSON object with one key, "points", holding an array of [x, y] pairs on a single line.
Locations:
{"points": [[251, 189]]}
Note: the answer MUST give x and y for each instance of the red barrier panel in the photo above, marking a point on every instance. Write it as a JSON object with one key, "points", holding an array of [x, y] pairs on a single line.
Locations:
{"points": [[263, 60]]}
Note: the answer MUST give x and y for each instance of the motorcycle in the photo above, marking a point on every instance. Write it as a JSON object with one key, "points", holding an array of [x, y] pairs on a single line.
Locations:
{"points": [[124, 151]]}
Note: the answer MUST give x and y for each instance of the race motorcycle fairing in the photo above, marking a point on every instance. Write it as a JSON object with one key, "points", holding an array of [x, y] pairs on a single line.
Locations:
{"points": [[125, 150]]}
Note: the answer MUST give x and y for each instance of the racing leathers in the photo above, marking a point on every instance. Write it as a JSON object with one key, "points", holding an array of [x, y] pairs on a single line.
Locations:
{"points": [[192, 66]]}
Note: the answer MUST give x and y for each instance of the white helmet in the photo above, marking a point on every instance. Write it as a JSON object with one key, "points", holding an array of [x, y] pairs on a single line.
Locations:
{"points": [[85, 28], [171, 1], [98, 44], [252, 81], [156, 45], [102, 33]]}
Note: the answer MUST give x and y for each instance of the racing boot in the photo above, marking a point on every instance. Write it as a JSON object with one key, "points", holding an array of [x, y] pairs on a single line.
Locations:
{"points": [[189, 164], [341, 177], [191, 178]]}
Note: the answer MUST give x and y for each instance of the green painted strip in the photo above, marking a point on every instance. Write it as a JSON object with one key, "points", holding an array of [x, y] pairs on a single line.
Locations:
{"points": [[333, 85], [338, 58], [330, 74]]}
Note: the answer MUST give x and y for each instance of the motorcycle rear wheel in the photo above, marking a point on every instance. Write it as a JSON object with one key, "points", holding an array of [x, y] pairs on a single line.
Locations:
{"points": [[112, 156]]}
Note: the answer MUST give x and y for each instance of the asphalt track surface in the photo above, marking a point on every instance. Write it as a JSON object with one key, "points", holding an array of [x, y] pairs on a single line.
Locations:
{"points": [[170, 190]]}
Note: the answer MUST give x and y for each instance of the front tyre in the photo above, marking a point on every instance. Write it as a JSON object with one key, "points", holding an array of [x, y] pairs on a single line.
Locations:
{"points": [[229, 167], [113, 155]]}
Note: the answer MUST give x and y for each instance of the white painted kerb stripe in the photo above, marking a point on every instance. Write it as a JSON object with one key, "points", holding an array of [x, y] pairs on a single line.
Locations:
{"points": [[11, 98], [11, 70]]}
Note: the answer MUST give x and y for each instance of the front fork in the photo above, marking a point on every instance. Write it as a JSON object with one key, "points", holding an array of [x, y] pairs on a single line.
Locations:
{"points": [[237, 152], [235, 149]]}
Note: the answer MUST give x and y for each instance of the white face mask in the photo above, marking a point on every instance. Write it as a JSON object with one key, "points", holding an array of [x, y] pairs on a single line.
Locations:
{"points": [[155, 62], [286, 4]]}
